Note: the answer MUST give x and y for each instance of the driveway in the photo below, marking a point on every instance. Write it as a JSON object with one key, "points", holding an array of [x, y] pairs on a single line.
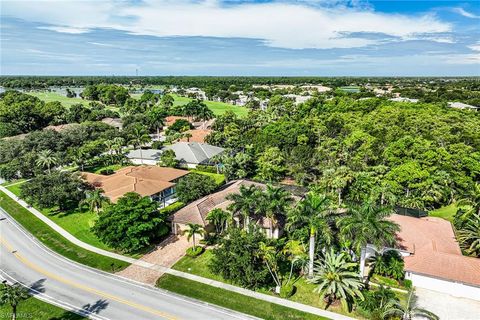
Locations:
{"points": [[448, 307], [166, 254]]}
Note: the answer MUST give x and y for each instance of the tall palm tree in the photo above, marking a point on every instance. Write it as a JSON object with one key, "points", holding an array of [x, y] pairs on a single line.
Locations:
{"points": [[368, 224], [95, 200], [244, 202], [270, 257], [204, 113], [109, 144], [218, 218], [47, 159], [295, 253], [336, 280], [407, 310], [138, 138], [156, 117], [469, 236], [314, 212], [273, 204], [12, 295], [192, 230]]}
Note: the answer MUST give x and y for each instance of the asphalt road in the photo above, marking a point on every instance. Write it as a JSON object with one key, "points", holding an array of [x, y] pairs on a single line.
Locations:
{"points": [[98, 294]]}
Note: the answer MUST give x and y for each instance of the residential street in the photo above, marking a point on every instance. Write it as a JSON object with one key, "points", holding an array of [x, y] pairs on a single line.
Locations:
{"points": [[102, 295]]}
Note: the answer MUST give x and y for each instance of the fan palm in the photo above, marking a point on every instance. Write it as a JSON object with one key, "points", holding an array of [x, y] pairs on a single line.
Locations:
{"points": [[12, 295], [368, 224], [314, 213], [273, 204], [192, 230], [407, 310], [46, 159], [295, 253], [336, 280]]}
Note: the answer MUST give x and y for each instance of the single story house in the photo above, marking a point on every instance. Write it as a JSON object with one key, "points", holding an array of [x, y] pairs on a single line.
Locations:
{"points": [[144, 156], [114, 122], [148, 181], [191, 154], [197, 211], [433, 259]]}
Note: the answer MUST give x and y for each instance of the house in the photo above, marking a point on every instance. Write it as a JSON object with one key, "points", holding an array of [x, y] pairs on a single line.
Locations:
{"points": [[433, 259], [62, 127], [197, 211], [191, 154], [148, 181], [400, 99], [144, 156], [114, 122], [198, 135], [462, 106]]}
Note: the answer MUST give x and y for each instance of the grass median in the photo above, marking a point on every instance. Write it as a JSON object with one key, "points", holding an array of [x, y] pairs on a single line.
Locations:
{"points": [[231, 300], [55, 241]]}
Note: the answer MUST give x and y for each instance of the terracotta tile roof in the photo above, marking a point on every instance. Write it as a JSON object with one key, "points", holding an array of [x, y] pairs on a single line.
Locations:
{"points": [[198, 135], [144, 180], [434, 250], [171, 120]]}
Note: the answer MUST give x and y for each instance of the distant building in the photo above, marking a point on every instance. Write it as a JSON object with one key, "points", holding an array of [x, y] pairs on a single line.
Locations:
{"points": [[114, 122], [297, 98], [401, 99], [462, 106], [148, 181], [144, 156], [61, 127]]}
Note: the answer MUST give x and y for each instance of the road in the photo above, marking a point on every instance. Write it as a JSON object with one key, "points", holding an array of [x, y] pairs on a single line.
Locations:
{"points": [[92, 292]]}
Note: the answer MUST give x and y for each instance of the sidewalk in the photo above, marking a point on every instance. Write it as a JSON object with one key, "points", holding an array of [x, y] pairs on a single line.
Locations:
{"points": [[162, 269]]}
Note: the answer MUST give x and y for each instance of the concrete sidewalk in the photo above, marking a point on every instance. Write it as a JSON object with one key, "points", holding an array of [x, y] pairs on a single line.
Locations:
{"points": [[162, 269]]}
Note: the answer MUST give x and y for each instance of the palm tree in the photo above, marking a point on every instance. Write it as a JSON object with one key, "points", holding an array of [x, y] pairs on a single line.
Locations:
{"points": [[139, 137], [244, 202], [313, 213], [110, 146], [368, 224], [469, 236], [95, 200], [408, 310], [187, 135], [295, 253], [12, 295], [46, 159], [194, 229], [156, 117], [270, 257], [471, 203], [336, 280], [204, 113], [273, 204], [218, 218]]}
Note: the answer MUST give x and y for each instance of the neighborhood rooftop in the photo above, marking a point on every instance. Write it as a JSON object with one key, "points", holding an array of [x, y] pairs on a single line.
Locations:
{"points": [[144, 180], [194, 152]]}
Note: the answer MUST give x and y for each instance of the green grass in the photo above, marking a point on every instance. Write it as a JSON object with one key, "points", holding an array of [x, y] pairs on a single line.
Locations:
{"points": [[218, 108], [447, 212], [33, 308], [98, 169], [54, 96], [55, 241], [198, 266], [219, 178], [231, 300]]}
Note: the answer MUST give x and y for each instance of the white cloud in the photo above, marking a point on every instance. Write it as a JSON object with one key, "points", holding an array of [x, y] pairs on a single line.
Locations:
{"points": [[73, 30], [475, 47], [465, 13], [280, 24]]}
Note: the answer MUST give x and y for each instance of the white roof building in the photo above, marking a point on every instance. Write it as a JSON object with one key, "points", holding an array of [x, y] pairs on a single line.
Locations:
{"points": [[462, 106]]}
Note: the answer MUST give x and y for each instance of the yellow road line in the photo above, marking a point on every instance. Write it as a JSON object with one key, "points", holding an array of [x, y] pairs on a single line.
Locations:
{"points": [[81, 286]]}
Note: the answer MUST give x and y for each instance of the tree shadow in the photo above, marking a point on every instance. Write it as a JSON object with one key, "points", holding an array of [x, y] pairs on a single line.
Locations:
{"points": [[37, 287], [98, 306]]}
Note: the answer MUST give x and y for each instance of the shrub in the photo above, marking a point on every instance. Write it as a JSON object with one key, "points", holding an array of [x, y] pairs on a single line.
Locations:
{"points": [[407, 283], [191, 252], [107, 172], [287, 291], [210, 169], [168, 210], [157, 145]]}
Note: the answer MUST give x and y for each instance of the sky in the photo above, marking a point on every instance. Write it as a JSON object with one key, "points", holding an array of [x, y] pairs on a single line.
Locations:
{"points": [[257, 38]]}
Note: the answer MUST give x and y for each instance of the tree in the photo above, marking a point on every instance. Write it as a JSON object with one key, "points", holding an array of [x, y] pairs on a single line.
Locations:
{"points": [[407, 310], [271, 165], [187, 135], [156, 117], [194, 229], [131, 224], [273, 203], [336, 280], [469, 236], [378, 302], [138, 137], [314, 215], [368, 223], [167, 101], [269, 255], [219, 219], [194, 186], [168, 159], [295, 253], [244, 203], [236, 259], [46, 159], [13, 295], [58, 188], [95, 200]]}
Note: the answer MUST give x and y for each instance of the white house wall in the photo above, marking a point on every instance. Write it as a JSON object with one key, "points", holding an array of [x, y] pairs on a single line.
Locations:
{"points": [[456, 289], [139, 161]]}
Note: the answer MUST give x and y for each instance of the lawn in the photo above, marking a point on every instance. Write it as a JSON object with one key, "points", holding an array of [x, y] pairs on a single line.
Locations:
{"points": [[218, 108], [33, 308], [231, 300], [55, 241], [54, 96], [447, 212], [219, 178]]}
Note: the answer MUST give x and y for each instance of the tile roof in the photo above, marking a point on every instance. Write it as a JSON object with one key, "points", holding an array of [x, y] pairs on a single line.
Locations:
{"points": [[194, 152], [198, 135], [147, 154], [171, 120], [434, 250], [144, 180]]}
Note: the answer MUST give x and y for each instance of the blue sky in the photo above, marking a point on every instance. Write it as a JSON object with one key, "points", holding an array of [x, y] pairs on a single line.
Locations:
{"points": [[196, 37]]}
